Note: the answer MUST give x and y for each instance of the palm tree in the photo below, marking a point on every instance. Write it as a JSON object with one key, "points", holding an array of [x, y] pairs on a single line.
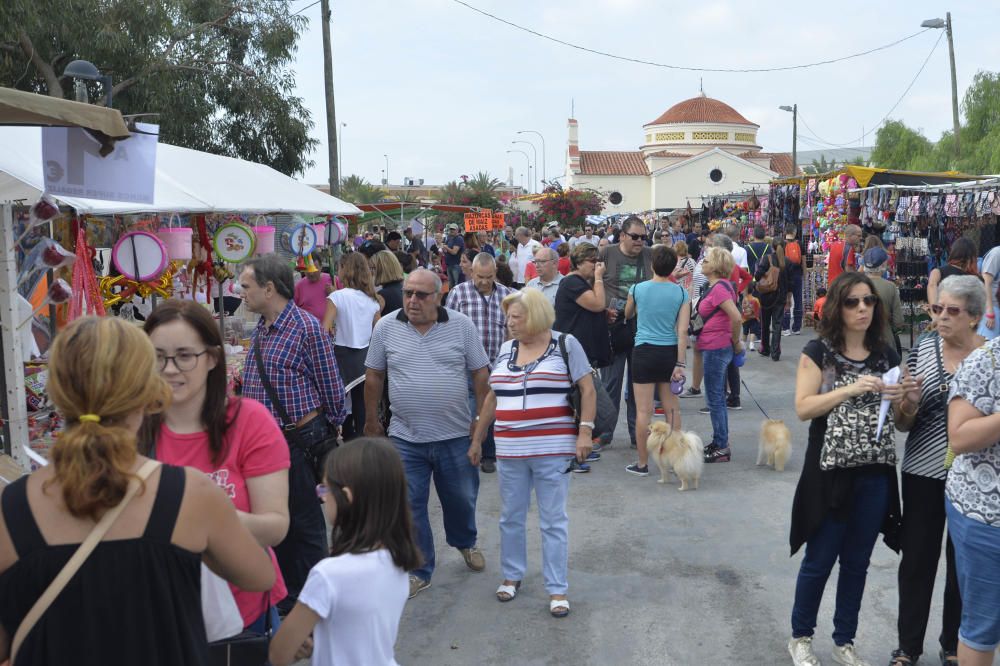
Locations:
{"points": [[452, 192], [483, 184], [359, 191]]}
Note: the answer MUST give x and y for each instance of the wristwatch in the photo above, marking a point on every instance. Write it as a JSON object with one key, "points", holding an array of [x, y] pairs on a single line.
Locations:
{"points": [[589, 424]]}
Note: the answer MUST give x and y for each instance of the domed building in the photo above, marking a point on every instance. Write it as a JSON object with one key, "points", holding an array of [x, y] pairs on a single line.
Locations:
{"points": [[696, 148]]}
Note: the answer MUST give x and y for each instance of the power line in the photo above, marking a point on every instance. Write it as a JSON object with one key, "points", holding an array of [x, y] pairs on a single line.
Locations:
{"points": [[681, 67], [304, 8], [887, 114]]}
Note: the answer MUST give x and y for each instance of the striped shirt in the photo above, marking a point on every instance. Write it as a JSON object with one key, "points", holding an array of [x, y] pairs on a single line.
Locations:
{"points": [[533, 414], [300, 364], [927, 441], [428, 374], [485, 312]]}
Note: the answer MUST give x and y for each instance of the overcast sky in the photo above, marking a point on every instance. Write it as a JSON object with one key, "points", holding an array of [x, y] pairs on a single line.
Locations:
{"points": [[443, 90]]}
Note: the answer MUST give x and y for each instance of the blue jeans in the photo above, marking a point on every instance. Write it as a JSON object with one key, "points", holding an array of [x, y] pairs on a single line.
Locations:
{"points": [[614, 377], [852, 543], [794, 286], [489, 442], [977, 551], [551, 483], [716, 366], [454, 275], [457, 484]]}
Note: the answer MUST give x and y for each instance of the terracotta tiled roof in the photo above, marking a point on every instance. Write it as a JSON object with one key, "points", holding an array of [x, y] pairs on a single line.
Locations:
{"points": [[781, 163], [701, 110], [612, 163], [667, 153]]}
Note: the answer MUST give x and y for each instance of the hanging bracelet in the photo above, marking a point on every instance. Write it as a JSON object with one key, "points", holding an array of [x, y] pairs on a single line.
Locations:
{"points": [[680, 365]]}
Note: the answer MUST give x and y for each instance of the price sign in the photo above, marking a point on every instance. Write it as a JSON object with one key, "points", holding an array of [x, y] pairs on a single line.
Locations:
{"points": [[481, 221], [73, 165], [498, 221]]}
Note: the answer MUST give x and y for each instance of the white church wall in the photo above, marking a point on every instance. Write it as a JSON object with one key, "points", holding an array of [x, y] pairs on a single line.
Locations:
{"points": [[687, 184], [634, 191]]}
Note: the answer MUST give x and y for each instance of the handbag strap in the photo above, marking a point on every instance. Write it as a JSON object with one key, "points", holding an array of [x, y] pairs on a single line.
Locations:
{"points": [[77, 560], [286, 422]]}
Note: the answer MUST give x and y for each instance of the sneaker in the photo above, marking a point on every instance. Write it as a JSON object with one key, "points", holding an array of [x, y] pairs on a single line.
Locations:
{"points": [[802, 653], [593, 457], [597, 447], [488, 466], [473, 558], [716, 454], [417, 585], [785, 333], [797, 332], [705, 410], [946, 656], [638, 471], [751, 346], [692, 392], [581, 468], [658, 411], [846, 654], [900, 658], [733, 405]]}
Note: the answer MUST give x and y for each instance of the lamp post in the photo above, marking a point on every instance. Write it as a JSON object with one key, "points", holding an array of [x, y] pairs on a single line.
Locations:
{"points": [[81, 69], [535, 152], [386, 170], [794, 110], [543, 152], [946, 24], [527, 158]]}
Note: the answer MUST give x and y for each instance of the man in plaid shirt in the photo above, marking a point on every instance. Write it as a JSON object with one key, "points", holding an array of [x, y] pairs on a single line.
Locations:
{"points": [[298, 359], [480, 299]]}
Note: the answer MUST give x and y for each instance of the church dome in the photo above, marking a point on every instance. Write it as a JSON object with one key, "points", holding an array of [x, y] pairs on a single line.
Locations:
{"points": [[701, 109]]}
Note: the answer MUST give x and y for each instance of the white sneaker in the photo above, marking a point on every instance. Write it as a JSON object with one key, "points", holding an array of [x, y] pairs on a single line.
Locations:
{"points": [[750, 346], [802, 653], [846, 655], [785, 333]]}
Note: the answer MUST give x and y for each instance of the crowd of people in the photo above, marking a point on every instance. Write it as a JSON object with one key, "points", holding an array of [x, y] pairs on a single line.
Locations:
{"points": [[506, 353]]}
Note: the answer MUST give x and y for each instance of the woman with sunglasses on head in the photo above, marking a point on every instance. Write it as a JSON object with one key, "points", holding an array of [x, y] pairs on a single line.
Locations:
{"points": [[922, 413], [847, 492], [961, 261], [235, 441]]}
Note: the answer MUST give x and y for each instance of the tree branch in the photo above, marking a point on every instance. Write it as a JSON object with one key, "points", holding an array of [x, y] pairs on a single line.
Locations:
{"points": [[44, 69], [203, 67]]}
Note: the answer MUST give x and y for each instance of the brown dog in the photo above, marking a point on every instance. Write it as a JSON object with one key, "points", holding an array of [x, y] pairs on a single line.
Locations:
{"points": [[775, 444], [677, 451]]}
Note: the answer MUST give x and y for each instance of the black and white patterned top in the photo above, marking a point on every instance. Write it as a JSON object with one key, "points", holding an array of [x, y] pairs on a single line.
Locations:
{"points": [[927, 442], [973, 485]]}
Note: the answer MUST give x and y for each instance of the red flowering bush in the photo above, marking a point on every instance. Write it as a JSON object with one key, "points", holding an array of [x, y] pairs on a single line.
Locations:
{"points": [[569, 208]]}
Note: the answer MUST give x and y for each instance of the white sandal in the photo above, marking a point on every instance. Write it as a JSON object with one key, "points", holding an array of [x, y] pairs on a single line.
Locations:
{"points": [[559, 607], [509, 590]]}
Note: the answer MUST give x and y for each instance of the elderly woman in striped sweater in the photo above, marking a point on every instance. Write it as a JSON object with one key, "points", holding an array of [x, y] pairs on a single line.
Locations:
{"points": [[537, 438]]}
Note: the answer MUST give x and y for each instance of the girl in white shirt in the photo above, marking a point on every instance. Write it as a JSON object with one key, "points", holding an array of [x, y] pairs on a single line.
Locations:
{"points": [[352, 601]]}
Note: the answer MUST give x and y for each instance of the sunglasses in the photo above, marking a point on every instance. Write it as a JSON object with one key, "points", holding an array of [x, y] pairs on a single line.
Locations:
{"points": [[952, 310], [419, 295], [635, 237], [851, 302], [573, 464]]}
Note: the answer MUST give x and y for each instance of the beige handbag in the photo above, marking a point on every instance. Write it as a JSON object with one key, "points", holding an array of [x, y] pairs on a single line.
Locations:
{"points": [[79, 557]]}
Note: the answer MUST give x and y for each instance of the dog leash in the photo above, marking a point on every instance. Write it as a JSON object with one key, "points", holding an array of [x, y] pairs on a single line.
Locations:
{"points": [[750, 393]]}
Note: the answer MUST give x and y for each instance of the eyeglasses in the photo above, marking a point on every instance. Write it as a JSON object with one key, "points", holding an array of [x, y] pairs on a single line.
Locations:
{"points": [[183, 361], [952, 310], [589, 260], [851, 302], [635, 237], [419, 295], [540, 261]]}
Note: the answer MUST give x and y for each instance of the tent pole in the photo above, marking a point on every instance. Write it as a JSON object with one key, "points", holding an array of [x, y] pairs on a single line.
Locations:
{"points": [[15, 426]]}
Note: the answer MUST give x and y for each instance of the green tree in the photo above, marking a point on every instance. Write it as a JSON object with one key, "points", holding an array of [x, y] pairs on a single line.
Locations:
{"points": [[981, 106], [819, 166], [216, 71], [357, 190], [898, 147]]}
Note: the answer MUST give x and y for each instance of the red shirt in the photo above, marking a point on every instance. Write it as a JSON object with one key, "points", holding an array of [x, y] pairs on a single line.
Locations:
{"points": [[837, 263], [564, 266], [256, 447], [741, 279], [311, 296]]}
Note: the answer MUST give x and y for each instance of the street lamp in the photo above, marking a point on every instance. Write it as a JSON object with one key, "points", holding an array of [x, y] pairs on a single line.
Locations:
{"points": [[794, 110], [535, 152], [81, 69], [945, 23], [527, 158], [543, 151]]}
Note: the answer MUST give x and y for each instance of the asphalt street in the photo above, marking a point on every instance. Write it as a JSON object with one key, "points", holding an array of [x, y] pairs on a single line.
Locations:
{"points": [[656, 576]]}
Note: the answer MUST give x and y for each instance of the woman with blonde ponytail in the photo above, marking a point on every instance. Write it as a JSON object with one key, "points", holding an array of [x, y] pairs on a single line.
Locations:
{"points": [[136, 598]]}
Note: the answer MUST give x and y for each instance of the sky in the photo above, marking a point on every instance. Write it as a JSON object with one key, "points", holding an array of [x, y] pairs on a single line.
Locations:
{"points": [[443, 90]]}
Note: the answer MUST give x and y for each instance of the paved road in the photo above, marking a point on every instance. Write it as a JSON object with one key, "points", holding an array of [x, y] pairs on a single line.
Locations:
{"points": [[656, 576]]}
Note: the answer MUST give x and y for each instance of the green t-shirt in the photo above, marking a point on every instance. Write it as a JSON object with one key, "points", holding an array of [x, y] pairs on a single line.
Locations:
{"points": [[658, 304]]}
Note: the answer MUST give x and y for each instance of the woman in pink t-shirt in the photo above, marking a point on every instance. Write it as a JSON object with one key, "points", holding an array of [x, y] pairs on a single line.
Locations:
{"points": [[236, 442], [718, 341]]}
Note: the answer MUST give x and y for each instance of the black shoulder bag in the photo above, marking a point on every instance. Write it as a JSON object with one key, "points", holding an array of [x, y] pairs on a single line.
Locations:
{"points": [[315, 453], [605, 416]]}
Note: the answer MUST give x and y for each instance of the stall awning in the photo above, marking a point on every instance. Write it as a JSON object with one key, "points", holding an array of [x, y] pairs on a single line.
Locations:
{"points": [[18, 107], [866, 176], [187, 181]]}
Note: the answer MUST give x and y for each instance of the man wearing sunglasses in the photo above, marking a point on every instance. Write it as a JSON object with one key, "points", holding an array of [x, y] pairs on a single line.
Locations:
{"points": [[429, 354], [875, 261], [627, 262]]}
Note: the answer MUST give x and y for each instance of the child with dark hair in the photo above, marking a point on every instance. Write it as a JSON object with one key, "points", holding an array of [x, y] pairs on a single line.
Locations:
{"points": [[352, 601]]}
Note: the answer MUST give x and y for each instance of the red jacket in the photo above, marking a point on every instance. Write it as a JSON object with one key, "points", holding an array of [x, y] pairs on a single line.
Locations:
{"points": [[741, 279]]}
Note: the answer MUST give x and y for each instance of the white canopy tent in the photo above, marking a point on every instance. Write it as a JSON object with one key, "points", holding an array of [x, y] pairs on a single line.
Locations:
{"points": [[187, 181]]}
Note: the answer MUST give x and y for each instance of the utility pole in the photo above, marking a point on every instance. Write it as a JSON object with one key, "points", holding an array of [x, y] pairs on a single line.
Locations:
{"points": [[954, 85], [331, 110], [795, 140]]}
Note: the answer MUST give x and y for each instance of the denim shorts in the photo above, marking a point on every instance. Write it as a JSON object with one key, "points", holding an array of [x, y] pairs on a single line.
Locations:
{"points": [[977, 551]]}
